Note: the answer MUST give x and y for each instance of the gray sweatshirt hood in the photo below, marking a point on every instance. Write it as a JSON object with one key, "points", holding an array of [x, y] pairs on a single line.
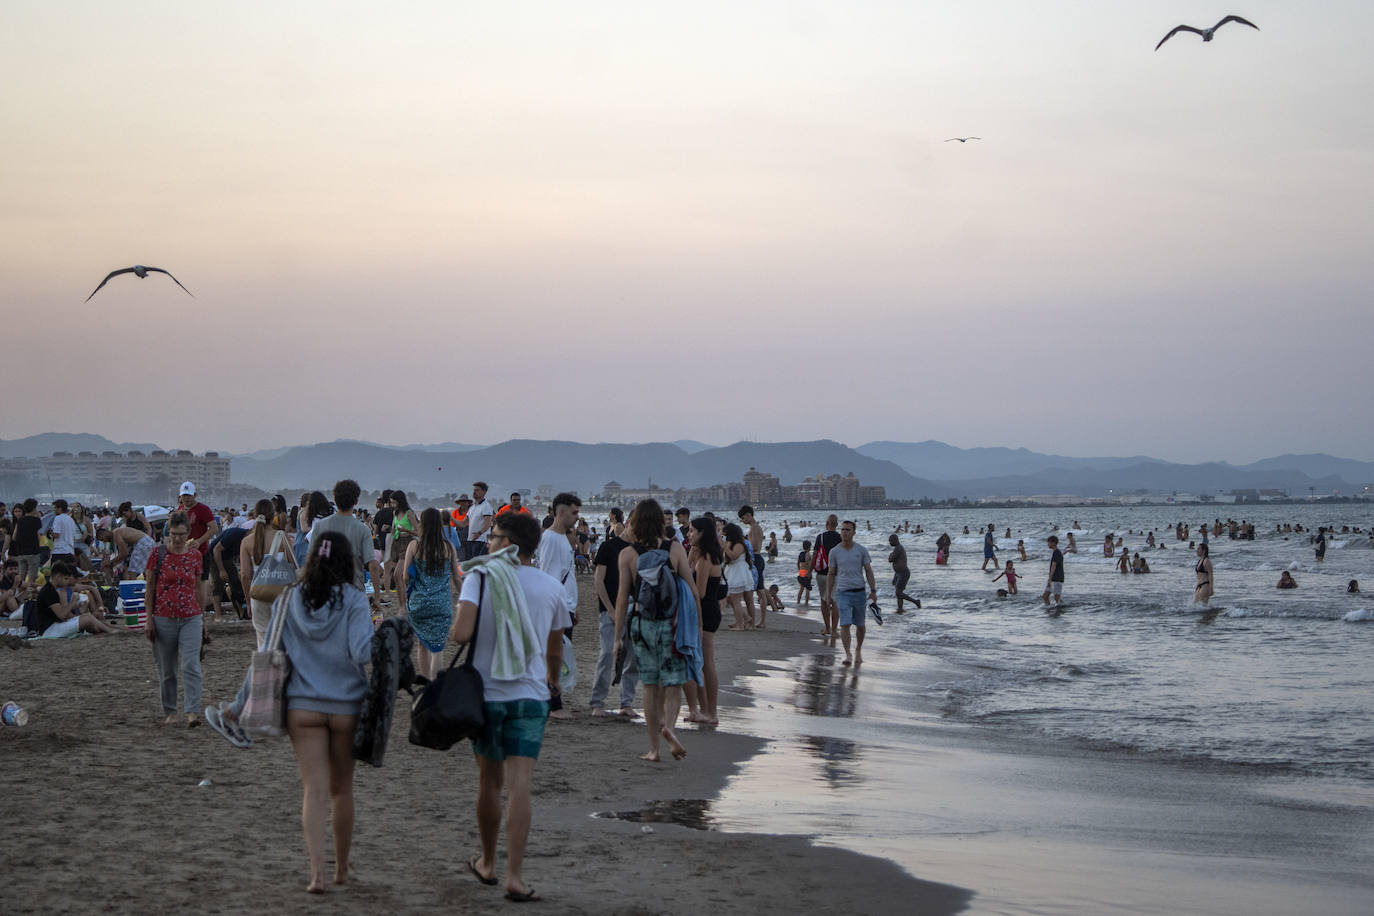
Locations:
{"points": [[316, 623]]}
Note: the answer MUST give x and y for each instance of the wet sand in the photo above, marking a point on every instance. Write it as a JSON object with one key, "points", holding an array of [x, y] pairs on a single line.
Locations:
{"points": [[103, 811]]}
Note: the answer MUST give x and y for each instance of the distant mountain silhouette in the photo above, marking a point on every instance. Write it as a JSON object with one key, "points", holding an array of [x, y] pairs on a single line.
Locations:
{"points": [[44, 444], [909, 470], [939, 461], [528, 463]]}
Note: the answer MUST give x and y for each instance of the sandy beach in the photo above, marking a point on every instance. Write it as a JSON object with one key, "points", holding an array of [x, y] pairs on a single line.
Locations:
{"points": [[103, 809]]}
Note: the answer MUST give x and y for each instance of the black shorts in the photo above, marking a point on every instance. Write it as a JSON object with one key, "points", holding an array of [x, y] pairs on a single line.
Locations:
{"points": [[205, 562], [710, 615]]}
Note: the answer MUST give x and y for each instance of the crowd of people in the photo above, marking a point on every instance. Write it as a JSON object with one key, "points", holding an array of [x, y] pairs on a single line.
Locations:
{"points": [[492, 576]]}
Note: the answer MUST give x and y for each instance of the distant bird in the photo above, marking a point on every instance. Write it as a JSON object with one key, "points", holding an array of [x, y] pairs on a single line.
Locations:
{"points": [[1205, 33], [962, 139], [139, 271]]}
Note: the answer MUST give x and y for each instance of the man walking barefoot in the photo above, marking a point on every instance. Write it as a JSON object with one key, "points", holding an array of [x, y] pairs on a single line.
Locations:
{"points": [[850, 565]]}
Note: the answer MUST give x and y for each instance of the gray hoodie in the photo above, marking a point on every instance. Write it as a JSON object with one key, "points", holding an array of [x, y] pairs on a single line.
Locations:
{"points": [[328, 647]]}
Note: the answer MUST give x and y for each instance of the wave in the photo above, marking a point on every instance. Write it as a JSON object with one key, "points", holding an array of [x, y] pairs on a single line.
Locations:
{"points": [[1363, 615]]}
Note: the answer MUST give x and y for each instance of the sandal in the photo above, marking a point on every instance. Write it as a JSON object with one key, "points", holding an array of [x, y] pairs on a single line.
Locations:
{"points": [[472, 867], [226, 727]]}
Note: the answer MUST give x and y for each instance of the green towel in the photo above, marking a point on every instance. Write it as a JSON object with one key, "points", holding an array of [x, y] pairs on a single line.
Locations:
{"points": [[516, 641]]}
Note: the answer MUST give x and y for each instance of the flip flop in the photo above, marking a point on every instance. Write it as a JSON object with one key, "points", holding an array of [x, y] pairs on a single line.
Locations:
{"points": [[528, 897], [231, 734], [876, 611], [472, 867]]}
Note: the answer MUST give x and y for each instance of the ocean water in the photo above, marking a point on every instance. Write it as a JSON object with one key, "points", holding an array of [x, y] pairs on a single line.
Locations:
{"points": [[1263, 677], [982, 742]]}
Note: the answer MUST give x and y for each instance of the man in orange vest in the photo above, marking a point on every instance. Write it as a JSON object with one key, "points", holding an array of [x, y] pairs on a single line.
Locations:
{"points": [[458, 523], [513, 506]]}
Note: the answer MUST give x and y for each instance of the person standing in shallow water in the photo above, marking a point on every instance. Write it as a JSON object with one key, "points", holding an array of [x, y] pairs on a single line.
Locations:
{"points": [[901, 571], [850, 566], [1202, 591], [1055, 585]]}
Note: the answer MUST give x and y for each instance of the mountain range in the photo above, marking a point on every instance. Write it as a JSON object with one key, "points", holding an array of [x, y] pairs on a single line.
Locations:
{"points": [[909, 470]]}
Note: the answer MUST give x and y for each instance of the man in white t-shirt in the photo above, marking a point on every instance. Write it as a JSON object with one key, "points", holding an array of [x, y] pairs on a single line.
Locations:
{"points": [[479, 521], [556, 559], [62, 530], [517, 709]]}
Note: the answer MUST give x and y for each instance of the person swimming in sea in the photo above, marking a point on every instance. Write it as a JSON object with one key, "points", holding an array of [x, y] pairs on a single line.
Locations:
{"points": [[1286, 580], [1353, 588]]}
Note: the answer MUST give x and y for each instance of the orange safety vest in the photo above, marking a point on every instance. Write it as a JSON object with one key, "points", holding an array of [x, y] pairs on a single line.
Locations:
{"points": [[459, 519], [507, 508]]}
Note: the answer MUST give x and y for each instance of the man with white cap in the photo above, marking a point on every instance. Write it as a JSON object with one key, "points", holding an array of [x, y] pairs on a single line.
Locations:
{"points": [[203, 530]]}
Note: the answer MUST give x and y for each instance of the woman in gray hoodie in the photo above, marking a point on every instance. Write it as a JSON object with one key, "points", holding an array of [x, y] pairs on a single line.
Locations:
{"points": [[328, 637]]}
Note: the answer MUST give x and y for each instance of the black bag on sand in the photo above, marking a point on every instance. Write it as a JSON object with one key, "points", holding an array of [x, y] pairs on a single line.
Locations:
{"points": [[450, 707]]}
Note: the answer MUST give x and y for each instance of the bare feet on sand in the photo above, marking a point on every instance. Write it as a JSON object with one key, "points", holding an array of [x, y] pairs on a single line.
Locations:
{"points": [[675, 745], [652, 756]]}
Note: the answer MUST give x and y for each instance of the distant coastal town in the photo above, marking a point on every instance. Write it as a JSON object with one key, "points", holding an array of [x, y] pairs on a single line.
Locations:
{"points": [[153, 476]]}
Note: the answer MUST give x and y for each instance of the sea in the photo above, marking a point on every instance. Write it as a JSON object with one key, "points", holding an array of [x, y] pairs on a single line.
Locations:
{"points": [[1263, 686]]}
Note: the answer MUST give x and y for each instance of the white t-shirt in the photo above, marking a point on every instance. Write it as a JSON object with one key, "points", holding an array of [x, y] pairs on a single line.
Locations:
{"points": [[63, 535], [475, 515], [556, 558], [548, 613]]}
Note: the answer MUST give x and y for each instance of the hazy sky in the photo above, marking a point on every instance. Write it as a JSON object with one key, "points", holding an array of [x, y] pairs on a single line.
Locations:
{"points": [[431, 221]]}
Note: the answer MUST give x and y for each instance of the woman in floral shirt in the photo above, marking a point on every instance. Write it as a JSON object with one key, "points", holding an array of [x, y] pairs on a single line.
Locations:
{"points": [[174, 620]]}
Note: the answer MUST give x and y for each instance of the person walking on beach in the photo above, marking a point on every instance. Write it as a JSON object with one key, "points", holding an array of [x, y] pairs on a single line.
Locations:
{"points": [[203, 529], [327, 634], [267, 537], [820, 563], [426, 578], [359, 535], [705, 559], [606, 582], [405, 524], [850, 566], [557, 559], [661, 668], [755, 535], [516, 696], [175, 623], [1202, 589], [1055, 585], [989, 548], [479, 521]]}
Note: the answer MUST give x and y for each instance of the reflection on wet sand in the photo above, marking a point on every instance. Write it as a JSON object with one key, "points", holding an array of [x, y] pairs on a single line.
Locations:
{"points": [[684, 812], [824, 688], [835, 754]]}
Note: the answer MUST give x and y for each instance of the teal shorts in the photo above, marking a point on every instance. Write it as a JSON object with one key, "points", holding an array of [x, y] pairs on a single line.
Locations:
{"points": [[514, 728], [653, 643]]}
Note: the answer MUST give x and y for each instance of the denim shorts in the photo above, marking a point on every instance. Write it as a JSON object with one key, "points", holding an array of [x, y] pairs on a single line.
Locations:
{"points": [[851, 606], [514, 728]]}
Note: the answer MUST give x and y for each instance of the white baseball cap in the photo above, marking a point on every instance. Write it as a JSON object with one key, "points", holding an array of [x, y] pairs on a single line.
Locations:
{"points": [[188, 489]]}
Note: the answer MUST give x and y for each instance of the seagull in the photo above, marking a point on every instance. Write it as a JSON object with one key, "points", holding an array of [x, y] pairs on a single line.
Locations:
{"points": [[1205, 33], [962, 139], [139, 271]]}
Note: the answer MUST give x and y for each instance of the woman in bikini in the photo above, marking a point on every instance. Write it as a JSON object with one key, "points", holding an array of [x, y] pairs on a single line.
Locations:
{"points": [[1202, 591]]}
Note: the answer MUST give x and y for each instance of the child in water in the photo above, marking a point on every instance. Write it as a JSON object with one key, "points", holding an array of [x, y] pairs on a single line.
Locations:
{"points": [[1021, 548], [1010, 574], [774, 602]]}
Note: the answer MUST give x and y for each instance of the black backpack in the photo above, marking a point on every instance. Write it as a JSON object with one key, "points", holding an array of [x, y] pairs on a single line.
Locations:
{"points": [[450, 707]]}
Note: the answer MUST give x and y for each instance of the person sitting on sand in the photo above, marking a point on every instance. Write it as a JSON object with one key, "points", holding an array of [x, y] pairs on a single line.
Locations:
{"points": [[1286, 580], [60, 604], [774, 602], [1010, 574]]}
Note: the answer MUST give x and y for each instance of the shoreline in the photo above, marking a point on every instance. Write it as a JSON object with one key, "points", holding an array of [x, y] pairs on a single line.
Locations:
{"points": [[127, 792]]}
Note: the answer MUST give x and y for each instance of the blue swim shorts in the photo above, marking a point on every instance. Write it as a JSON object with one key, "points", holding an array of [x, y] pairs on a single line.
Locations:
{"points": [[514, 728], [851, 606]]}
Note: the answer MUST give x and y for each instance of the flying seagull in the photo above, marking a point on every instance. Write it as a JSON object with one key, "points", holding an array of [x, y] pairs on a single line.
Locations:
{"points": [[962, 139], [139, 271], [1205, 33]]}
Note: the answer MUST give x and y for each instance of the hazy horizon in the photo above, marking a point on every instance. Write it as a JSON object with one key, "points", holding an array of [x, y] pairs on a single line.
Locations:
{"points": [[416, 443], [452, 221]]}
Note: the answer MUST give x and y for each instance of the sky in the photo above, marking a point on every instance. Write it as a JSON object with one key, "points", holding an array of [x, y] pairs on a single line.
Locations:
{"points": [[639, 221]]}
